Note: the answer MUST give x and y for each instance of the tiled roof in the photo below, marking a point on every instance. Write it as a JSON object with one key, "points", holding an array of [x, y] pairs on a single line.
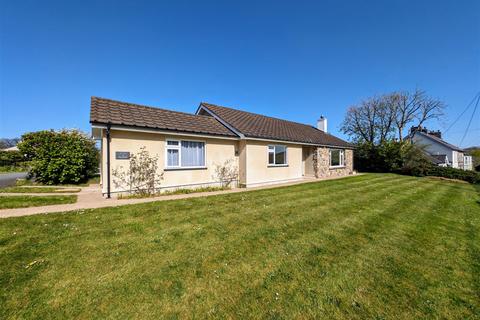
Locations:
{"points": [[104, 111], [438, 140], [251, 125], [258, 126]]}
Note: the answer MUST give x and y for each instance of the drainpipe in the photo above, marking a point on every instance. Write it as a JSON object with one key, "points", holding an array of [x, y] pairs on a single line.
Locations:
{"points": [[108, 161]]}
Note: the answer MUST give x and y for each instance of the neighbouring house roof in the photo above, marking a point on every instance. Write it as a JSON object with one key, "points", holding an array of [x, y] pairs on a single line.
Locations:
{"points": [[437, 158], [253, 125], [106, 111], [440, 141]]}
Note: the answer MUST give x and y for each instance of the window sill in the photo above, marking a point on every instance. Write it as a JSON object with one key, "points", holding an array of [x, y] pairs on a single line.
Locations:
{"points": [[277, 165], [337, 167], [184, 168]]}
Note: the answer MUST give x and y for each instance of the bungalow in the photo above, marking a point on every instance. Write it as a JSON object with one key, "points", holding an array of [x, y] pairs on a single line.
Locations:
{"points": [[265, 150], [439, 151]]}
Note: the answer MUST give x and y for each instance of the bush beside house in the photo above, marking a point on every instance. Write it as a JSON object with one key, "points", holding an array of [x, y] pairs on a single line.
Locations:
{"points": [[60, 157]]}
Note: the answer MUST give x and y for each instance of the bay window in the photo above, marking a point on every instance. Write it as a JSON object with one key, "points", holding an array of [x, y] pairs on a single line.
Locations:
{"points": [[337, 158], [277, 155], [185, 154]]}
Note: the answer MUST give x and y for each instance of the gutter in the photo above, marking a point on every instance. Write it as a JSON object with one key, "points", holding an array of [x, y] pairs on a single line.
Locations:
{"points": [[108, 161]]}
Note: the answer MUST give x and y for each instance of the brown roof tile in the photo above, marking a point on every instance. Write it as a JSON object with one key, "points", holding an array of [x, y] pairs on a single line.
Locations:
{"points": [[106, 111], [258, 126]]}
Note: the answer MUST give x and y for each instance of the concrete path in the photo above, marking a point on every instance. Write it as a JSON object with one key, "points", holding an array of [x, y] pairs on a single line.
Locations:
{"points": [[9, 179], [91, 197]]}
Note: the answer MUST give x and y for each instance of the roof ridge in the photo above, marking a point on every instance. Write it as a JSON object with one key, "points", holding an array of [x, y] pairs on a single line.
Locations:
{"points": [[148, 107], [262, 115]]}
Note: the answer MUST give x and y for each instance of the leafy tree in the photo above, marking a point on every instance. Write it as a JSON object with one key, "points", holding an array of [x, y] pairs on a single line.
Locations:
{"points": [[59, 157]]}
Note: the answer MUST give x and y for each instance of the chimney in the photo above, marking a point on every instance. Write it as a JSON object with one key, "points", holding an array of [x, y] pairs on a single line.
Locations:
{"points": [[418, 129], [322, 124]]}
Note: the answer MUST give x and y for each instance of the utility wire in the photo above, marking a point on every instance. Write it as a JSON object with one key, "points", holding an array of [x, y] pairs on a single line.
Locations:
{"points": [[471, 130], [470, 122], [463, 112]]}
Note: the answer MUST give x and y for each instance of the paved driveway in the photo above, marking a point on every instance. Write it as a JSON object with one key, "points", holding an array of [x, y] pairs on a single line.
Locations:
{"points": [[8, 179]]}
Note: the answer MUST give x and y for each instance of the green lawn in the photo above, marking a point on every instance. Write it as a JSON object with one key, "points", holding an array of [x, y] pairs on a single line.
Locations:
{"points": [[21, 201], [365, 247], [29, 182], [38, 190]]}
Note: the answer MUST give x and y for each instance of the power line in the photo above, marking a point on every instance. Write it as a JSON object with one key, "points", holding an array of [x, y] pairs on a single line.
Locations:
{"points": [[471, 130], [463, 112], [470, 121]]}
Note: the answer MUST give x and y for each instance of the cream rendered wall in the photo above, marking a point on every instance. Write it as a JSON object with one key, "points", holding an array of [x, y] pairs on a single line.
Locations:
{"points": [[217, 152], [258, 172], [308, 152], [243, 162]]}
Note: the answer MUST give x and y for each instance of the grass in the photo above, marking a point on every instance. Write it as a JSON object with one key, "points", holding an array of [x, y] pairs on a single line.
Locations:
{"points": [[376, 246], [29, 182], [172, 192], [10, 202], [37, 190]]}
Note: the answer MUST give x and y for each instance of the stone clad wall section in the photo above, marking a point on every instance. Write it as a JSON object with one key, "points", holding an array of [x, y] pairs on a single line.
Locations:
{"points": [[322, 164]]}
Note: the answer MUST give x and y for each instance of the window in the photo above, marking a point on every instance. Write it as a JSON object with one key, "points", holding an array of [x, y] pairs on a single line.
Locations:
{"points": [[337, 158], [277, 155], [185, 154], [173, 153]]}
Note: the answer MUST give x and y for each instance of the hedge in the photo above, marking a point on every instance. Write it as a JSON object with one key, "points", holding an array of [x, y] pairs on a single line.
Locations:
{"points": [[452, 173]]}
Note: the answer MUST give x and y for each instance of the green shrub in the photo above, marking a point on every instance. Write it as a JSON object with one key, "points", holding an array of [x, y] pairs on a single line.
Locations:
{"points": [[389, 156], [67, 156], [405, 158], [453, 173]]}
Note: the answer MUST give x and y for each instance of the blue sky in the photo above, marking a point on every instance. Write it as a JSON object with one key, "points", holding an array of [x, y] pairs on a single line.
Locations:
{"points": [[294, 60]]}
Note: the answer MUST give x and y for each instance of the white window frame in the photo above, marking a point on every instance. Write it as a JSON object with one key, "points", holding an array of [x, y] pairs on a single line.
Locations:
{"points": [[341, 158], [271, 148], [179, 148]]}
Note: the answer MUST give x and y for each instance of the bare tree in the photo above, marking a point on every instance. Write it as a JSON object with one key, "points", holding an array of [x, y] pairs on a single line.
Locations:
{"points": [[376, 119], [411, 107], [371, 121]]}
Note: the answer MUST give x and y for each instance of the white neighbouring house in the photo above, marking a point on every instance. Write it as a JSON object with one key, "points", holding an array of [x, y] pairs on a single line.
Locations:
{"points": [[441, 152]]}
